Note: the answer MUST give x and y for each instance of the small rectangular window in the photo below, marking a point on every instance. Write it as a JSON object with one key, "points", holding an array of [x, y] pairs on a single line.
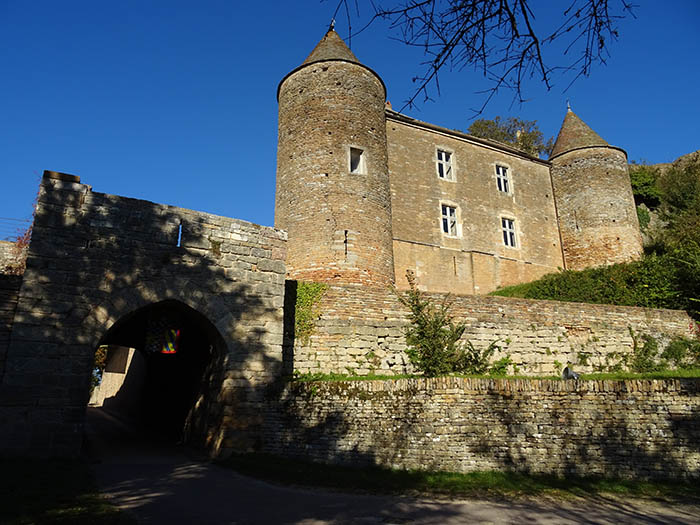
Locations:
{"points": [[502, 179], [444, 164], [508, 228], [449, 220], [357, 160]]}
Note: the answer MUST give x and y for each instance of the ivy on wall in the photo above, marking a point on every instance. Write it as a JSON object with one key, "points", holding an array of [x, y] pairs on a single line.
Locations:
{"points": [[306, 309]]}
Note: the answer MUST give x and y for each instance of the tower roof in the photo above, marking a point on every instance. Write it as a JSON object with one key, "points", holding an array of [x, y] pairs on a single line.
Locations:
{"points": [[331, 47], [575, 134]]}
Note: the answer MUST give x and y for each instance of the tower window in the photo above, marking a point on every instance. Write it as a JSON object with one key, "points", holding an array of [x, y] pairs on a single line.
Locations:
{"points": [[508, 228], [502, 179], [444, 165], [357, 160], [449, 220]]}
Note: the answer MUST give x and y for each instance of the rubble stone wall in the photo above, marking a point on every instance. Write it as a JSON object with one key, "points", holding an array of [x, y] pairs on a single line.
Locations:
{"points": [[9, 295], [361, 331], [640, 429]]}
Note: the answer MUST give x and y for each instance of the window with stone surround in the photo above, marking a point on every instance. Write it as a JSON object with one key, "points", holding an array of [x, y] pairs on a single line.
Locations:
{"points": [[444, 165], [502, 179], [450, 225], [357, 161], [508, 229]]}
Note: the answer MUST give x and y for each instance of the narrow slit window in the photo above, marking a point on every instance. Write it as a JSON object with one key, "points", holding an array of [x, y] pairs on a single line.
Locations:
{"points": [[508, 228], [357, 160], [502, 179], [449, 220], [444, 164]]}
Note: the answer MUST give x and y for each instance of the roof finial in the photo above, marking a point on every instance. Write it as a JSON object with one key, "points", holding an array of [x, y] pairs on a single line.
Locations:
{"points": [[332, 28], [568, 106]]}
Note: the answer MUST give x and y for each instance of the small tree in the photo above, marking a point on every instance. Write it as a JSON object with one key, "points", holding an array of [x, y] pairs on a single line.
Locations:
{"points": [[524, 135], [433, 337]]}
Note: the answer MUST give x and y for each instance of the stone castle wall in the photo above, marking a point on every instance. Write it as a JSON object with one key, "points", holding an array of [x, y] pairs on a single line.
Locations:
{"points": [[597, 215], [476, 260], [641, 429], [9, 295], [360, 331], [95, 259]]}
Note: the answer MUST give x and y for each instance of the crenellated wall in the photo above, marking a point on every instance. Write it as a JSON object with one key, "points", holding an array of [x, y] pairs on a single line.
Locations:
{"points": [[639, 429], [360, 331]]}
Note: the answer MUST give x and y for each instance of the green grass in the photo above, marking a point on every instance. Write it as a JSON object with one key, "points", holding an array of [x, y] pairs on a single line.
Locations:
{"points": [[53, 491], [476, 484], [610, 376], [517, 290], [665, 374]]}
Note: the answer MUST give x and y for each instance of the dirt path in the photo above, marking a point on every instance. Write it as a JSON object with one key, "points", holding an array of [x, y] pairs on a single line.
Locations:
{"points": [[161, 484]]}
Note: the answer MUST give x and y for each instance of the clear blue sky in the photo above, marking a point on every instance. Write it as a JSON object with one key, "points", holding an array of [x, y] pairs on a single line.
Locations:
{"points": [[174, 101]]}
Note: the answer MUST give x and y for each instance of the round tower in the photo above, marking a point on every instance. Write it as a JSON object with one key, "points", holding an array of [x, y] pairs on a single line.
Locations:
{"points": [[333, 194], [597, 215]]}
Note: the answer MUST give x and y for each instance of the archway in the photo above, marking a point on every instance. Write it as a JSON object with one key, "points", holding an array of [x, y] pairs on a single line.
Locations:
{"points": [[169, 357]]}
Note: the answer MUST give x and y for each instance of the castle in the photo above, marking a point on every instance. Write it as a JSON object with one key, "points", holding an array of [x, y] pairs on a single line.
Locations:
{"points": [[366, 193], [363, 194]]}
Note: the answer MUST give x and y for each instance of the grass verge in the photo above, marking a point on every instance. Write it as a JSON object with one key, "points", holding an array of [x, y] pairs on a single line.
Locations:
{"points": [[496, 485], [55, 492], [610, 376]]}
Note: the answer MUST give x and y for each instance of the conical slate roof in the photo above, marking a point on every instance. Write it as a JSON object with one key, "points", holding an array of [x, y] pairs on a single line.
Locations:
{"points": [[574, 134], [331, 47]]}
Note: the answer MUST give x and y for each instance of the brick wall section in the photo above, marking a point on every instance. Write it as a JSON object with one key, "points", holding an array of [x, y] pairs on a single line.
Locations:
{"points": [[95, 258], [597, 216], [339, 223], [476, 260], [9, 294], [360, 331], [641, 429]]}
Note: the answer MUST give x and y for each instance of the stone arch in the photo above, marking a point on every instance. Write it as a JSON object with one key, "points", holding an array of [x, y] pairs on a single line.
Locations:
{"points": [[120, 303], [203, 424]]}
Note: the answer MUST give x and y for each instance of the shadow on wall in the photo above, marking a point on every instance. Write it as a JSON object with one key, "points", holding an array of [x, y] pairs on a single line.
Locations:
{"points": [[562, 429], [96, 263]]}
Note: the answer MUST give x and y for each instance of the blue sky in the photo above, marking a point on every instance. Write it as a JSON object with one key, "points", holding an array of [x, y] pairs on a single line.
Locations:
{"points": [[174, 101]]}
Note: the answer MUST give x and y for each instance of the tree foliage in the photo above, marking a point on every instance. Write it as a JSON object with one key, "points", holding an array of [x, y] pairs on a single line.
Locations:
{"points": [[507, 41], [668, 276], [524, 135], [433, 337]]}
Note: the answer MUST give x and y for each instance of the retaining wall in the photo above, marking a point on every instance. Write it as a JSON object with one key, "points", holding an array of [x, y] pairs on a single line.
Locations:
{"points": [[360, 331], [642, 429]]}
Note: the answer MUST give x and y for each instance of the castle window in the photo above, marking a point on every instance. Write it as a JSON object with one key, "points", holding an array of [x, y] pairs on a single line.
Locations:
{"points": [[444, 165], [508, 228], [357, 160], [449, 220], [502, 179]]}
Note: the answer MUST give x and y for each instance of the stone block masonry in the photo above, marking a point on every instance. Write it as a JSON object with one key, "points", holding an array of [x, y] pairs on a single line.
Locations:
{"points": [[640, 429], [94, 260], [361, 331], [9, 295]]}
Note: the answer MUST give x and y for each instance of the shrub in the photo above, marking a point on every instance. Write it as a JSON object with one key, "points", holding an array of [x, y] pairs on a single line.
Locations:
{"points": [[432, 337]]}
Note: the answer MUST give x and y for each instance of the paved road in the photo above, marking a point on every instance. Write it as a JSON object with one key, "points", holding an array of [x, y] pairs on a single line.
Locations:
{"points": [[162, 484]]}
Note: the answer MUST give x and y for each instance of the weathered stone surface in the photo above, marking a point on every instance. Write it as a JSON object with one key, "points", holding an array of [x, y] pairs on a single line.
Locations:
{"points": [[96, 258], [640, 429], [541, 337]]}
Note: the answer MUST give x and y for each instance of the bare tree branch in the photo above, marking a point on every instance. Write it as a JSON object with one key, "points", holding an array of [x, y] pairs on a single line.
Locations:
{"points": [[499, 38]]}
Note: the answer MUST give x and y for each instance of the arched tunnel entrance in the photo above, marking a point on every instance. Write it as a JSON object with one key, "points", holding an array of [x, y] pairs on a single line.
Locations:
{"points": [[162, 370]]}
